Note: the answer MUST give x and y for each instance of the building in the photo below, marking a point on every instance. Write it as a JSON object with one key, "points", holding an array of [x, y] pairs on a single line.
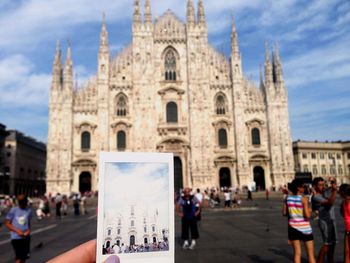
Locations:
{"points": [[323, 159], [25, 164], [3, 176], [171, 91], [136, 226]]}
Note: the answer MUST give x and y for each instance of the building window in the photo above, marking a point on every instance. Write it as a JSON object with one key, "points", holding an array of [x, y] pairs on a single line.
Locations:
{"points": [[338, 156], [304, 155], [170, 65], [332, 169], [256, 136], [313, 155], [145, 229], [109, 232], [323, 169], [85, 141], [171, 112], [222, 138], [314, 170], [132, 222], [306, 168], [121, 141], [153, 229], [154, 240], [330, 155], [118, 231], [121, 105], [321, 155], [220, 105], [340, 169]]}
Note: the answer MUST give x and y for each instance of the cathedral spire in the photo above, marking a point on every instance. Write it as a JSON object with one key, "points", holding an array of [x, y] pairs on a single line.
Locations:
{"points": [[57, 68], [268, 66], [234, 41], [68, 68], [277, 66], [235, 55], [190, 13], [104, 48], [148, 12], [137, 12], [201, 14], [261, 78]]}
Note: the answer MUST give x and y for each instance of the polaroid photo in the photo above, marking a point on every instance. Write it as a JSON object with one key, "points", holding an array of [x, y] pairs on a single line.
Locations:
{"points": [[136, 207]]}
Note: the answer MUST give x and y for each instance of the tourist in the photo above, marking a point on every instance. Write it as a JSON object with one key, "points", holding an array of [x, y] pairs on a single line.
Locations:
{"points": [[296, 207], [227, 195], [323, 200], [76, 204], [186, 209], [18, 222], [58, 202], [344, 191]]}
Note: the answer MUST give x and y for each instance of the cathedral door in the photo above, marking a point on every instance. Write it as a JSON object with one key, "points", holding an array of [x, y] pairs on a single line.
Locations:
{"points": [[85, 182], [178, 181], [132, 240], [259, 178], [225, 177]]}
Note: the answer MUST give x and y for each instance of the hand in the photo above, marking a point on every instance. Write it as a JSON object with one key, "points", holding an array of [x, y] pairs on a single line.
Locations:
{"points": [[197, 213], [26, 233], [20, 232], [85, 253]]}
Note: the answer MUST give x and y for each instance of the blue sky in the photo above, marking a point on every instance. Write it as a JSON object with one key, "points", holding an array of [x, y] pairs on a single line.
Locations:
{"points": [[314, 40]]}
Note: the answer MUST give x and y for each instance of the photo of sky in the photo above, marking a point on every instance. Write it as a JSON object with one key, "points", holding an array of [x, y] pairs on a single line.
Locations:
{"points": [[142, 184], [313, 36]]}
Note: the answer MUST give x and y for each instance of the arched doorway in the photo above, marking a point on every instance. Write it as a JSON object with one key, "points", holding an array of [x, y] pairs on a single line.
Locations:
{"points": [[108, 244], [146, 240], [225, 177], [178, 181], [85, 182], [132, 240], [154, 240], [259, 178]]}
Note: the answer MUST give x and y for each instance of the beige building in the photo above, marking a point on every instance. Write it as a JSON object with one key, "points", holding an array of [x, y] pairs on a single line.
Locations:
{"points": [[171, 91], [323, 159]]}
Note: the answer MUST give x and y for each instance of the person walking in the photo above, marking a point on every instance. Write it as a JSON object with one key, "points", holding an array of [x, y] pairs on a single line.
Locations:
{"points": [[18, 222], [58, 202], [76, 204], [323, 200], [188, 210], [296, 207]]}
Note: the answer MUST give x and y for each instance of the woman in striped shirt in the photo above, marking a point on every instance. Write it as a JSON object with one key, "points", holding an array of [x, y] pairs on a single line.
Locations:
{"points": [[296, 207]]}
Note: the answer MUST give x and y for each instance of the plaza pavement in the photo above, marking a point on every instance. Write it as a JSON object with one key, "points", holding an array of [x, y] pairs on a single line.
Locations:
{"points": [[256, 232]]}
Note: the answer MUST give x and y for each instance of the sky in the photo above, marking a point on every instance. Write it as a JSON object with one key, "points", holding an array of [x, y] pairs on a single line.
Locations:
{"points": [[151, 191], [313, 36]]}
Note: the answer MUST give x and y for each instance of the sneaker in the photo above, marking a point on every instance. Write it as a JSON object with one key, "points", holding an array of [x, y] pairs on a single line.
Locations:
{"points": [[193, 244], [185, 245]]}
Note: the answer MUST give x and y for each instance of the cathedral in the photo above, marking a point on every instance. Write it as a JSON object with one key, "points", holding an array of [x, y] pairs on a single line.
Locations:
{"points": [[171, 91]]}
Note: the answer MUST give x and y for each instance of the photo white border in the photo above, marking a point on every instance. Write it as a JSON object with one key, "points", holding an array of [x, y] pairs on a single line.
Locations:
{"points": [[128, 157]]}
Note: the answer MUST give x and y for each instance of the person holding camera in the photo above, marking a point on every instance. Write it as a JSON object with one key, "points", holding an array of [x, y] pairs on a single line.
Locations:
{"points": [[323, 201]]}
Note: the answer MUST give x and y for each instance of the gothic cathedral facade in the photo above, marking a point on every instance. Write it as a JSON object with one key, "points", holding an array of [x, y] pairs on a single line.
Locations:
{"points": [[171, 91]]}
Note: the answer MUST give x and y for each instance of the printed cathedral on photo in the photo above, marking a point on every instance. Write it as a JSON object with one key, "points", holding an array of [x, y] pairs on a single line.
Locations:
{"points": [[169, 90]]}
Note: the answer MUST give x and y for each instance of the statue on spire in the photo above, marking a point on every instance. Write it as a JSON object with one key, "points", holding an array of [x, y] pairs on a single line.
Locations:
{"points": [[148, 12], [190, 13], [104, 36], [201, 13], [137, 12]]}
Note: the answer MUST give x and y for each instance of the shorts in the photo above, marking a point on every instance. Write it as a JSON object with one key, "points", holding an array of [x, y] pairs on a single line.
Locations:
{"points": [[294, 234], [21, 247], [328, 232]]}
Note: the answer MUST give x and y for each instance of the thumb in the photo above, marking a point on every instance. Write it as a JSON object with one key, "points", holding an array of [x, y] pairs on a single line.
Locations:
{"points": [[112, 259]]}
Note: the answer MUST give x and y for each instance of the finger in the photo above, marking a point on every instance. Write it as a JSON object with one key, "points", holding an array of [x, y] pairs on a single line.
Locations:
{"points": [[85, 253], [112, 259]]}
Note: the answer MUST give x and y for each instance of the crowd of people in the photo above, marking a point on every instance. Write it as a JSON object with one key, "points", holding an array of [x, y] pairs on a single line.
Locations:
{"points": [[302, 204], [126, 249]]}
